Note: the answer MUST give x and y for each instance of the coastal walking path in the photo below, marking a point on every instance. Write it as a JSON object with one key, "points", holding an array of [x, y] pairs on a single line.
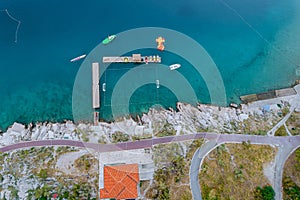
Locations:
{"points": [[286, 145], [295, 104]]}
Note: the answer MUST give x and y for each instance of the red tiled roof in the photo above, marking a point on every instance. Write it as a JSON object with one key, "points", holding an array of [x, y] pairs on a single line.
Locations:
{"points": [[120, 182]]}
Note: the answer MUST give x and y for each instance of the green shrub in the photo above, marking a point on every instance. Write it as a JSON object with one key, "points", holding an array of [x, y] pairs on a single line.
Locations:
{"points": [[265, 193]]}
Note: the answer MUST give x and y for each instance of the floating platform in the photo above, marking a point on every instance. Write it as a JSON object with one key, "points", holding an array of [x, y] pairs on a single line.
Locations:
{"points": [[95, 85], [135, 58], [268, 95]]}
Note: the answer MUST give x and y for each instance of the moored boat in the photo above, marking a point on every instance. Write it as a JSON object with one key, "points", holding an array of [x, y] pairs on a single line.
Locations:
{"points": [[174, 66], [157, 84], [104, 87], [78, 58], [109, 39], [233, 105]]}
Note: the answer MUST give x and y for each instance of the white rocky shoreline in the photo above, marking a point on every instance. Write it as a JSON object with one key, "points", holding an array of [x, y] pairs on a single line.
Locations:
{"points": [[187, 120]]}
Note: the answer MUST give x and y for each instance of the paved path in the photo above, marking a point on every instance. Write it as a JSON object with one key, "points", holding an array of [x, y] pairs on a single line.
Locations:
{"points": [[195, 166], [281, 122], [295, 104], [221, 138], [287, 147], [104, 147]]}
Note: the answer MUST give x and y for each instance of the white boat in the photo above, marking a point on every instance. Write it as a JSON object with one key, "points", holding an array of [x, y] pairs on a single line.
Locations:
{"points": [[234, 105], [174, 66], [78, 58], [157, 83], [104, 87]]}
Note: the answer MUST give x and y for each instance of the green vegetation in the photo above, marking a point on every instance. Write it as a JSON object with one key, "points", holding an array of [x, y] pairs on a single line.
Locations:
{"points": [[36, 162], [281, 131], [85, 162], [119, 137], [102, 140], [171, 180], [265, 193], [291, 177], [291, 189], [293, 123], [227, 171], [297, 159], [253, 126], [43, 174], [64, 149], [85, 137], [285, 111], [193, 147], [14, 192], [141, 137], [84, 134], [44, 192], [167, 130]]}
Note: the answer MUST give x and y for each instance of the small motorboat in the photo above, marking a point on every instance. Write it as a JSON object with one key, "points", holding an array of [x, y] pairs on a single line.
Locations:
{"points": [[174, 66], [109, 39], [233, 105], [104, 87], [78, 58], [157, 84]]}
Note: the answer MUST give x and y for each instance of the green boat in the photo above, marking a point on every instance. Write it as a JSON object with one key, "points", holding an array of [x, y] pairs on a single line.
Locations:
{"points": [[109, 39]]}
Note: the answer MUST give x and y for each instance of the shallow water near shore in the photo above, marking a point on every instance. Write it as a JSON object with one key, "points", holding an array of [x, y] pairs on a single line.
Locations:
{"points": [[255, 45]]}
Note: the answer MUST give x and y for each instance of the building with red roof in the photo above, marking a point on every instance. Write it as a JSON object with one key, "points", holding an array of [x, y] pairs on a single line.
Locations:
{"points": [[120, 182]]}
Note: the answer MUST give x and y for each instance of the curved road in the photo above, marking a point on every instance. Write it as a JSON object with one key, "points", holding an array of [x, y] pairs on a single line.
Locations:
{"points": [[286, 146], [105, 147]]}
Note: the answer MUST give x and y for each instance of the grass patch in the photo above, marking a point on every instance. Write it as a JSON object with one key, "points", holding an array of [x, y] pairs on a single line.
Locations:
{"points": [[102, 140], [293, 123], [234, 171], [141, 137], [119, 137], [171, 179], [167, 130], [85, 162], [291, 177], [281, 131]]}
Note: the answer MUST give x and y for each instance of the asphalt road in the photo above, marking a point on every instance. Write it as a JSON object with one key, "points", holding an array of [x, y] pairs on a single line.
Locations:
{"points": [[195, 166]]}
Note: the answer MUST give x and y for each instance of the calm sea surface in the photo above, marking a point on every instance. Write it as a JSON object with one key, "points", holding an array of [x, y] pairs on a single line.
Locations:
{"points": [[251, 42]]}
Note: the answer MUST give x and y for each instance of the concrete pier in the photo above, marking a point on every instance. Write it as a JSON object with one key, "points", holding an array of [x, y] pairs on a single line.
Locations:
{"points": [[135, 58], [95, 85]]}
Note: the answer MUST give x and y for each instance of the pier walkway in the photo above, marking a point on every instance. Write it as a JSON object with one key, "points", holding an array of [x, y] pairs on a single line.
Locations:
{"points": [[95, 85], [135, 58]]}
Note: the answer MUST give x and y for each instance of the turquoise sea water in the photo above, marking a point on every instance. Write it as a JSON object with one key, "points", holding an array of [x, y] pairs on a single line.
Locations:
{"points": [[36, 77]]}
